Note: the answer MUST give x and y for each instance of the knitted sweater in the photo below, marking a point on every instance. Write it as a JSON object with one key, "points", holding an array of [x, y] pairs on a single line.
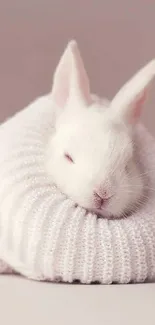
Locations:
{"points": [[44, 236]]}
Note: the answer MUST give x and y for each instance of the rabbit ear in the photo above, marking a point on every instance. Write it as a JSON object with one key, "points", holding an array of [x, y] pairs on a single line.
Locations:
{"points": [[70, 79], [129, 100]]}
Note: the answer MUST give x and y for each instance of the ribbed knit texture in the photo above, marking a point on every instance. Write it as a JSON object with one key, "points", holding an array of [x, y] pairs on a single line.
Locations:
{"points": [[44, 236]]}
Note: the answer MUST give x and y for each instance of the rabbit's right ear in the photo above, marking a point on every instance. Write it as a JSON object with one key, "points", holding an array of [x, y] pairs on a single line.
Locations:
{"points": [[128, 102], [70, 80]]}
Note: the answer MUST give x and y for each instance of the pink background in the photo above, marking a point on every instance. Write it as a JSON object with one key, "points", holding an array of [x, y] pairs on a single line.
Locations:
{"points": [[115, 37]]}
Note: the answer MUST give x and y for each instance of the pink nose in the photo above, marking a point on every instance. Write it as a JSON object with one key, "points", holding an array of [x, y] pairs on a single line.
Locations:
{"points": [[100, 198]]}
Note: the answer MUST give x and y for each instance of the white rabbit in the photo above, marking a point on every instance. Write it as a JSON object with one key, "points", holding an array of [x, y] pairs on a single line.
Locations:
{"points": [[91, 155]]}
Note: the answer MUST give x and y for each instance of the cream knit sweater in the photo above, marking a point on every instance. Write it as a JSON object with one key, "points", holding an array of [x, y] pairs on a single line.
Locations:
{"points": [[43, 236]]}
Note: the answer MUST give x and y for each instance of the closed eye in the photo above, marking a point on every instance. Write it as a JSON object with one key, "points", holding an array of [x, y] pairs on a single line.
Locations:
{"points": [[69, 158]]}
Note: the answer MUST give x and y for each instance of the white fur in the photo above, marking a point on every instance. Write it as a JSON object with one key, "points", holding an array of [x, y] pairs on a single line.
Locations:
{"points": [[99, 136]]}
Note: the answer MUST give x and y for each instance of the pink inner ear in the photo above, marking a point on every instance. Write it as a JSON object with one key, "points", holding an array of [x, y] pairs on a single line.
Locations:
{"points": [[139, 105], [60, 91], [60, 95]]}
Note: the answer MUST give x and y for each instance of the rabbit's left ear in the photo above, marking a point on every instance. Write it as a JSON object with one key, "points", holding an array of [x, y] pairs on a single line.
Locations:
{"points": [[128, 102], [70, 82]]}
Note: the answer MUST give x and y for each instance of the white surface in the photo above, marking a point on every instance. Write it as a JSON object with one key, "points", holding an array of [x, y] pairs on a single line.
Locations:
{"points": [[25, 302]]}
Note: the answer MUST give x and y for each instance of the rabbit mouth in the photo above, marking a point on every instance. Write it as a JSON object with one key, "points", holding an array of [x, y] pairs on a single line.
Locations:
{"points": [[102, 209], [103, 213], [101, 203]]}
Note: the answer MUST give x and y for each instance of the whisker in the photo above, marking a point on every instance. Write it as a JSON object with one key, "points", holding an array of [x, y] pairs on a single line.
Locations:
{"points": [[145, 188], [143, 196]]}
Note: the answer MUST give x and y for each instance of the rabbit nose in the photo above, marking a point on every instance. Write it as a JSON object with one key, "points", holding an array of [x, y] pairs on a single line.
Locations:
{"points": [[100, 198]]}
